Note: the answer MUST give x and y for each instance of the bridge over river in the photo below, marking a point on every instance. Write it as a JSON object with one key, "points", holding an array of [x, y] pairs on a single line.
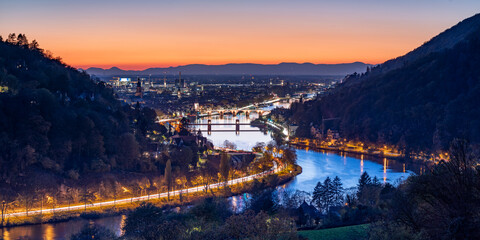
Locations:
{"points": [[252, 108]]}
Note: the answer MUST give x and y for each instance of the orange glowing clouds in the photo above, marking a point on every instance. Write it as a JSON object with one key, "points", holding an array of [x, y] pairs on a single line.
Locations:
{"points": [[141, 34]]}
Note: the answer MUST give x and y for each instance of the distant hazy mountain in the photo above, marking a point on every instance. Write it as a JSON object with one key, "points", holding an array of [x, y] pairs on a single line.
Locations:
{"points": [[420, 101], [242, 69]]}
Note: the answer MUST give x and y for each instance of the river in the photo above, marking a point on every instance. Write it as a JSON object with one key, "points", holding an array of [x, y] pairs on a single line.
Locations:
{"points": [[316, 165]]}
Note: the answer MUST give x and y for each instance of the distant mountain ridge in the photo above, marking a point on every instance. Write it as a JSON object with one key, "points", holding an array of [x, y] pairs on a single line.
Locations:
{"points": [[242, 69]]}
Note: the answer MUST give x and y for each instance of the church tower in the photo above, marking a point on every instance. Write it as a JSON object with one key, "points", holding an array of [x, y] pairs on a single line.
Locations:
{"points": [[139, 92]]}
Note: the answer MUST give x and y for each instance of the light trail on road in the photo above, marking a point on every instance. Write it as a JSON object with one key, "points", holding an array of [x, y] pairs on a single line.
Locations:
{"points": [[274, 169]]}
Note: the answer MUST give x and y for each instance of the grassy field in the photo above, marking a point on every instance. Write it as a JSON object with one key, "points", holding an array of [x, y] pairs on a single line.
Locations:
{"points": [[350, 232]]}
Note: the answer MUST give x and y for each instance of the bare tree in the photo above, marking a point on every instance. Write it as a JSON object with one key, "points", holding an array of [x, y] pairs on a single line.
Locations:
{"points": [[6, 198], [87, 196], [168, 177]]}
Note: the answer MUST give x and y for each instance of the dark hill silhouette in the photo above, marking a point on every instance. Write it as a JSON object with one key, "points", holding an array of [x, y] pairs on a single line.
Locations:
{"points": [[445, 40], [420, 101], [55, 119], [242, 69]]}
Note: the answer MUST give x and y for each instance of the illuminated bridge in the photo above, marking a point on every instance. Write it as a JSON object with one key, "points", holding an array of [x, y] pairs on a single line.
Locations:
{"points": [[237, 125]]}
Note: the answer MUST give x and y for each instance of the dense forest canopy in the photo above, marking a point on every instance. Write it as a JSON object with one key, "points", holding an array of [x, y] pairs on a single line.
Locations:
{"points": [[56, 119], [420, 106]]}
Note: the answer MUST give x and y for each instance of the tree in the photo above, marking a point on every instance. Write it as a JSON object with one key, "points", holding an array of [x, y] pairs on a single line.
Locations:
{"points": [[289, 156], [34, 45], [368, 190], [259, 226], [209, 172], [115, 187], [263, 200], [259, 147], [278, 137], [22, 40], [12, 38], [224, 167], [27, 199], [292, 200], [168, 177], [128, 151], [149, 222], [327, 194], [93, 232], [337, 188], [87, 196], [229, 145], [68, 126], [139, 222], [182, 128], [6, 198], [376, 181], [72, 195], [212, 210], [182, 157], [444, 203], [364, 181]]}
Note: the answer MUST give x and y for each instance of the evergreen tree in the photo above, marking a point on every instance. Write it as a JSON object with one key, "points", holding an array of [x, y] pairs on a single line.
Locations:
{"points": [[364, 180], [376, 181], [323, 195], [337, 187], [12, 38], [22, 40]]}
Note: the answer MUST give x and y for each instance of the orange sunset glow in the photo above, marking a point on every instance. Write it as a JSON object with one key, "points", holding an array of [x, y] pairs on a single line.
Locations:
{"points": [[155, 34]]}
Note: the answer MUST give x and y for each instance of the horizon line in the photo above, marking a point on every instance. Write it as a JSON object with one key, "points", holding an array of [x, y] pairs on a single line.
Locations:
{"points": [[85, 67]]}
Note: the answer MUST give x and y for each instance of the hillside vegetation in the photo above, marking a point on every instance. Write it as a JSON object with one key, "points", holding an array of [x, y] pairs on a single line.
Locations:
{"points": [[56, 120], [423, 105]]}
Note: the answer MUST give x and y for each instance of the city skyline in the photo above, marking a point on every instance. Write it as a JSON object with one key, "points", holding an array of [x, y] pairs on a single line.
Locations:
{"points": [[151, 34]]}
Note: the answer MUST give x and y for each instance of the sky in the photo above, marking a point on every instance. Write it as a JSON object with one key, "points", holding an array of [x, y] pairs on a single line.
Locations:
{"points": [[160, 33]]}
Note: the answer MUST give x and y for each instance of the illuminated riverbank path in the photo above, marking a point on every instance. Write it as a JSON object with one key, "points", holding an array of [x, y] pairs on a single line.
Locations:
{"points": [[276, 168]]}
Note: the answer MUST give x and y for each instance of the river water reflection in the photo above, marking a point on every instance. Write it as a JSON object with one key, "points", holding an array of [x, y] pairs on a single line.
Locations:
{"points": [[316, 165], [61, 230]]}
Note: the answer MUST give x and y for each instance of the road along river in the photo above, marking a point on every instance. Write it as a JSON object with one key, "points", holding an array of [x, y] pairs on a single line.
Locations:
{"points": [[316, 165]]}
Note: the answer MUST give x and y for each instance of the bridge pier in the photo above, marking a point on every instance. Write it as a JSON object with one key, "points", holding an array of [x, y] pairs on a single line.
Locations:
{"points": [[209, 127], [237, 126]]}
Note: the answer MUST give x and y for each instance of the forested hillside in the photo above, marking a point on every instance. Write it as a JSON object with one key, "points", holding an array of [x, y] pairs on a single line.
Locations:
{"points": [[55, 119], [420, 106]]}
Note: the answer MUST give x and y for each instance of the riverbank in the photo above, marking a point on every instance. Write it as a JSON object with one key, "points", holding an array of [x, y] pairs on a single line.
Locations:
{"points": [[316, 165], [303, 143], [176, 200], [345, 150], [376, 154]]}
